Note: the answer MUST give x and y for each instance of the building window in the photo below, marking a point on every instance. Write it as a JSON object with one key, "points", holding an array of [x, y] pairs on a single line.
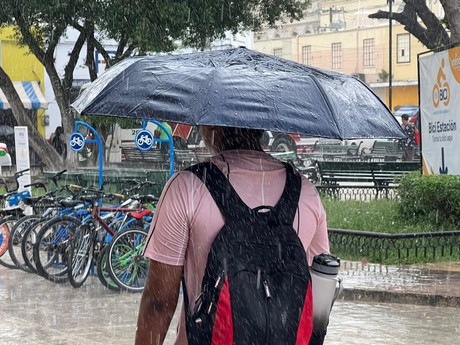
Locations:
{"points": [[278, 52], [336, 55], [306, 55], [368, 52], [403, 47]]}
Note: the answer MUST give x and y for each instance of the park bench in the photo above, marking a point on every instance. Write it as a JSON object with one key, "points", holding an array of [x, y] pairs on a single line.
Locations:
{"points": [[184, 158], [294, 159], [379, 173], [151, 158], [384, 150], [332, 152], [202, 154], [155, 159]]}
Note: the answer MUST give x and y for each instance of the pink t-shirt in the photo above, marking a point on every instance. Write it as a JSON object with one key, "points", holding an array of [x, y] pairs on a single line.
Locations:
{"points": [[187, 219]]}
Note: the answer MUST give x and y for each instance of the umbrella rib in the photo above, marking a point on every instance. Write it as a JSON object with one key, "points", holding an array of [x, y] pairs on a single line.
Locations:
{"points": [[326, 99]]}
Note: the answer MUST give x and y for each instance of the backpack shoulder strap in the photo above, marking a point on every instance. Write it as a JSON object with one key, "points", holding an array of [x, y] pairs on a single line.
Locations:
{"points": [[230, 203], [286, 207], [224, 195]]}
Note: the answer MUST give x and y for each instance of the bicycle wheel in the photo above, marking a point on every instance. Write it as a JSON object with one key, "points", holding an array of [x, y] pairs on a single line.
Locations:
{"points": [[28, 241], [5, 229], [80, 256], [102, 270], [4, 239], [50, 251], [126, 265], [16, 237]]}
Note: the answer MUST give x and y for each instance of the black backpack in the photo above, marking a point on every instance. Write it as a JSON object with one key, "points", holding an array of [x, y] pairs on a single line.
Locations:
{"points": [[256, 287]]}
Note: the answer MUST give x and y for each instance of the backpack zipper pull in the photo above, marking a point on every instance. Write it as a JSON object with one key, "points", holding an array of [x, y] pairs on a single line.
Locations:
{"points": [[267, 290], [219, 278]]}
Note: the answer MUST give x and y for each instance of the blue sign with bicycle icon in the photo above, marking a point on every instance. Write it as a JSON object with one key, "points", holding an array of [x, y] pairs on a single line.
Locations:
{"points": [[144, 140], [76, 142]]}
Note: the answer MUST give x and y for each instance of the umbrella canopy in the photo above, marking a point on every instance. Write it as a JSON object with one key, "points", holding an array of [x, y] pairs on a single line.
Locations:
{"points": [[240, 88]]}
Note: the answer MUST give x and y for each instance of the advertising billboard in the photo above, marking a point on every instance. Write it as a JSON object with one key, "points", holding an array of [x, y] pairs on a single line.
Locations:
{"points": [[439, 82]]}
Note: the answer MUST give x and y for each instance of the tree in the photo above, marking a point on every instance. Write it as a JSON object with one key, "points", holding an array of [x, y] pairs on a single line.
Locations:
{"points": [[432, 31], [137, 26]]}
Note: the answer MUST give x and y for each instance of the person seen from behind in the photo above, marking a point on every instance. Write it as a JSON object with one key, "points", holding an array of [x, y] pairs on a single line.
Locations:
{"points": [[188, 219], [408, 144], [58, 141]]}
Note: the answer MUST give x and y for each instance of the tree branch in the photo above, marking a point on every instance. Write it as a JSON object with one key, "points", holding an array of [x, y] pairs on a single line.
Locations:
{"points": [[56, 34], [28, 38], [452, 13], [73, 59], [90, 63], [433, 36]]}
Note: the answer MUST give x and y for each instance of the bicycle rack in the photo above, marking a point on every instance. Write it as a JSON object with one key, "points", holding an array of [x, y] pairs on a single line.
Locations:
{"points": [[169, 140], [97, 139]]}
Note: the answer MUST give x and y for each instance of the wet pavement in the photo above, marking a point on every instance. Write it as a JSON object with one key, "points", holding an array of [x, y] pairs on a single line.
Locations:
{"points": [[428, 284], [35, 311]]}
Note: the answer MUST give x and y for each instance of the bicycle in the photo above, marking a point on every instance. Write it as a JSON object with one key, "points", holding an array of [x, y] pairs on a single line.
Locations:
{"points": [[41, 206], [11, 215], [51, 238], [93, 236]]}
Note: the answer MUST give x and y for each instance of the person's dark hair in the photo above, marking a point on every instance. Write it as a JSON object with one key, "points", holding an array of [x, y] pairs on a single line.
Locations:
{"points": [[405, 117], [59, 130], [234, 138]]}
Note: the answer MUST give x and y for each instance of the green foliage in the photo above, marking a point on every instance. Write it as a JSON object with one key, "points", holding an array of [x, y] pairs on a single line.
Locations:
{"points": [[383, 75], [377, 216], [150, 25], [207, 20], [431, 198]]}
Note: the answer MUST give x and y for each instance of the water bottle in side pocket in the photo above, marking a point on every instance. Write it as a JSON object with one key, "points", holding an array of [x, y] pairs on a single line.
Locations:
{"points": [[326, 286]]}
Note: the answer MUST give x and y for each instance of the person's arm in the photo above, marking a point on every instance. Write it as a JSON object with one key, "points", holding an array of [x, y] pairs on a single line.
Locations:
{"points": [[158, 303]]}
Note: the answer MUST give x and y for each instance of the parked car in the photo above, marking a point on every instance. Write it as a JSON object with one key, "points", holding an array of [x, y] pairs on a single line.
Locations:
{"points": [[411, 110], [280, 142], [186, 136]]}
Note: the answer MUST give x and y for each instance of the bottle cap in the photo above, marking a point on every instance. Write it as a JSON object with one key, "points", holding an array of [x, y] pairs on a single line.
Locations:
{"points": [[326, 263]]}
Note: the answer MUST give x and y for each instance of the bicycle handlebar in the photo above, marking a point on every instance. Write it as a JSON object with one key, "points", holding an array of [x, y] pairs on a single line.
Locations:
{"points": [[18, 174], [57, 176], [36, 185]]}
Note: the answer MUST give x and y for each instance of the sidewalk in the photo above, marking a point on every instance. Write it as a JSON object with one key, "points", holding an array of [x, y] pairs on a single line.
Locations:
{"points": [[35, 311], [426, 284]]}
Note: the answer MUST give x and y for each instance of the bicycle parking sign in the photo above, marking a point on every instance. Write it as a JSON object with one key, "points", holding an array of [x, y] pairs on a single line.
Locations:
{"points": [[76, 141], [144, 140]]}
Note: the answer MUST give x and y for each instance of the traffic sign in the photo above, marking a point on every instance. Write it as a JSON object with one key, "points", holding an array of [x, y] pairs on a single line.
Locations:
{"points": [[144, 140], [76, 141]]}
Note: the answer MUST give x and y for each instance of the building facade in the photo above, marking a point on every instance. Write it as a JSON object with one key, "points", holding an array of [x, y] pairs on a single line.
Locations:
{"points": [[338, 35], [28, 76]]}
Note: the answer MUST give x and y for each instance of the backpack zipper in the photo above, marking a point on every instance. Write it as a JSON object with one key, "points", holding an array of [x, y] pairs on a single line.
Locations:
{"points": [[267, 290], [268, 297]]}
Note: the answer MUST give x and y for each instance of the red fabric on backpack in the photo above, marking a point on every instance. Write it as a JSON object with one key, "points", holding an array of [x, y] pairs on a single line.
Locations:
{"points": [[306, 320], [222, 332]]}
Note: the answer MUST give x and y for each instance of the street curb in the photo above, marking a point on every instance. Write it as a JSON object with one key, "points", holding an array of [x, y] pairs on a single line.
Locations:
{"points": [[364, 295]]}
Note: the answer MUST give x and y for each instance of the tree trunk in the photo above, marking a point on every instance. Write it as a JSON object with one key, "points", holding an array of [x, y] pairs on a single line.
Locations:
{"points": [[62, 100], [48, 155], [452, 10]]}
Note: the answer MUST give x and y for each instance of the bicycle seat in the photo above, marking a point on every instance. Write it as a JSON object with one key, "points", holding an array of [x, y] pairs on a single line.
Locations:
{"points": [[31, 201], [69, 203], [139, 215]]}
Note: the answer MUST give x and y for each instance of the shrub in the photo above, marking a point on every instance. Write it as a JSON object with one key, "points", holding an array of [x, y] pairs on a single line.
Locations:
{"points": [[433, 198]]}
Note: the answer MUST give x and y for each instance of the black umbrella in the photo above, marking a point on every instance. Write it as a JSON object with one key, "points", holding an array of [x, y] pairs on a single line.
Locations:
{"points": [[241, 88]]}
